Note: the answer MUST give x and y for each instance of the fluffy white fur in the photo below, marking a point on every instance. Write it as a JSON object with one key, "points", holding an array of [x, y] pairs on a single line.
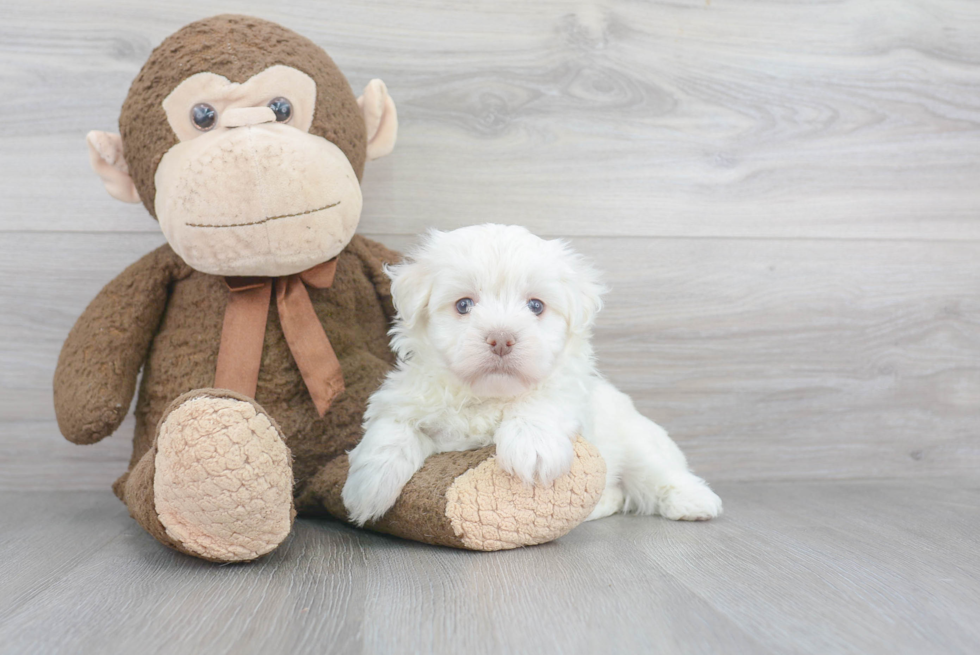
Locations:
{"points": [[451, 391]]}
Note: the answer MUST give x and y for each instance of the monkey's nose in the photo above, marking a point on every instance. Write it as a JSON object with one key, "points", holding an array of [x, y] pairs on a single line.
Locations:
{"points": [[245, 116], [501, 343]]}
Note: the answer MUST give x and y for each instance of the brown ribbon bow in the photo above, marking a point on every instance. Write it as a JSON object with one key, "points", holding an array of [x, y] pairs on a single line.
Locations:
{"points": [[243, 332]]}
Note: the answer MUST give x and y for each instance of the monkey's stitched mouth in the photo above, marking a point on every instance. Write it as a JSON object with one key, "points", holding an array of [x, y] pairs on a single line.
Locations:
{"points": [[266, 220]]}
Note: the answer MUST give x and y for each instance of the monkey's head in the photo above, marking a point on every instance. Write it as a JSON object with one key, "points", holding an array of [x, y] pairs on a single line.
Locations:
{"points": [[245, 141]]}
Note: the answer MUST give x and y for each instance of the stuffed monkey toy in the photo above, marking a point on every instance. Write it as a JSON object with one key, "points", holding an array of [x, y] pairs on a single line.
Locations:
{"points": [[261, 326]]}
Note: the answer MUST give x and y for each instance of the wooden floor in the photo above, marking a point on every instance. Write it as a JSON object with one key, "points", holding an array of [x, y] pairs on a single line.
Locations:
{"points": [[784, 198], [820, 567]]}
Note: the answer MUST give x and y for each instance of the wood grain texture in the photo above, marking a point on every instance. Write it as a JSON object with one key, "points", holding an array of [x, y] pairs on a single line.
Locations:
{"points": [[691, 118], [876, 567], [765, 359], [783, 198], [771, 187]]}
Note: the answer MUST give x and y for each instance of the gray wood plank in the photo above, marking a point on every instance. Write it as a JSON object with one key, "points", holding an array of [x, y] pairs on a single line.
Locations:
{"points": [[34, 456], [765, 359], [832, 567], [752, 118], [855, 567], [807, 359], [45, 536]]}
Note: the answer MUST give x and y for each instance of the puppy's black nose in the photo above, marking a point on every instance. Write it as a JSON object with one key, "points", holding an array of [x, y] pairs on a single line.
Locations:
{"points": [[501, 343]]}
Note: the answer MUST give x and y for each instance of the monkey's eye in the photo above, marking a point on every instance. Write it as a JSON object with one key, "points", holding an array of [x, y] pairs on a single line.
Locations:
{"points": [[536, 306], [282, 108], [464, 305], [204, 116]]}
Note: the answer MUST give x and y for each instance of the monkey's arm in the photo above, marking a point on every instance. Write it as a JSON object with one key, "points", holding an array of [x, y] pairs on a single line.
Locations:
{"points": [[465, 500], [97, 369]]}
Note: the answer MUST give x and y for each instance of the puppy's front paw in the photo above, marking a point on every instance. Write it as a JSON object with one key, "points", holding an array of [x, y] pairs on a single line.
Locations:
{"points": [[532, 452], [369, 492], [380, 466], [693, 501]]}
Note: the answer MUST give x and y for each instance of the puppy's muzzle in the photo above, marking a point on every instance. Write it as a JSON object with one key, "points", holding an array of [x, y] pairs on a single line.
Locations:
{"points": [[501, 343]]}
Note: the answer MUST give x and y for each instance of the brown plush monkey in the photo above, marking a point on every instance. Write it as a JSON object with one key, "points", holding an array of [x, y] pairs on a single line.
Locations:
{"points": [[261, 328]]}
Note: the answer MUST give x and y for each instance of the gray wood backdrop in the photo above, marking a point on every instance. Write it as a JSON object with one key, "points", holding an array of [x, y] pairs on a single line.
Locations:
{"points": [[784, 196]]}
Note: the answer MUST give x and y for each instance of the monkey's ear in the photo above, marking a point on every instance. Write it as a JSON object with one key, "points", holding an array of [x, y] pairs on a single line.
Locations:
{"points": [[380, 118], [106, 154]]}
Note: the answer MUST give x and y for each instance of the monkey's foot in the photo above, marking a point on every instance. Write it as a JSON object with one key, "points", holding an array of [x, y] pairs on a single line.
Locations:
{"points": [[223, 482], [490, 509], [465, 500]]}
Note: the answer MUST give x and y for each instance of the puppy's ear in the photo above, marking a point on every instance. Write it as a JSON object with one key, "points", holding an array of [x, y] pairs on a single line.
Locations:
{"points": [[584, 289], [411, 286], [412, 282]]}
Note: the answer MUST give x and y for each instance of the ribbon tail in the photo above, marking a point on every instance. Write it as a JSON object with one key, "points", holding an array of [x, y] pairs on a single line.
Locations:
{"points": [[307, 341], [242, 336]]}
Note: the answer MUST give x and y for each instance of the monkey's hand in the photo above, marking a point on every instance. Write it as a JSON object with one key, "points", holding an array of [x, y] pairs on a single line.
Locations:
{"points": [[97, 369]]}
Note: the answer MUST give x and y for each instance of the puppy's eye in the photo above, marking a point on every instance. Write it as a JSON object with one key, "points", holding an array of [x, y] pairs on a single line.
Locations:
{"points": [[203, 116], [464, 305], [536, 306]]}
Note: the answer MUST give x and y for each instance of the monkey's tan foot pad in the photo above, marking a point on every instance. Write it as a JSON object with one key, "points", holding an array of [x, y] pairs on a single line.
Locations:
{"points": [[223, 485], [490, 509]]}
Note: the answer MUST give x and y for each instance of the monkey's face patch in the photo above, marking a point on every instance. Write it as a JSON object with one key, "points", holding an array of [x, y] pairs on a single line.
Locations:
{"points": [[248, 190]]}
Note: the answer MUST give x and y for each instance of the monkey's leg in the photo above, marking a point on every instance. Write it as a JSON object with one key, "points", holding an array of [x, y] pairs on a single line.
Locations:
{"points": [[218, 482], [465, 500]]}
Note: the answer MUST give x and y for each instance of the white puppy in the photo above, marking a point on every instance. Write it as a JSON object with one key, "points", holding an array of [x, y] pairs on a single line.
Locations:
{"points": [[492, 339]]}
